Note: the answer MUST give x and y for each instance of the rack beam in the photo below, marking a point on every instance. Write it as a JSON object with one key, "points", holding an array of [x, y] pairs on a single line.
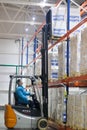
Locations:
{"points": [[78, 81]]}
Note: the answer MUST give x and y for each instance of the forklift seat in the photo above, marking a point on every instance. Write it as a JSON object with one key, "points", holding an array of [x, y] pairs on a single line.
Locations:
{"points": [[16, 101]]}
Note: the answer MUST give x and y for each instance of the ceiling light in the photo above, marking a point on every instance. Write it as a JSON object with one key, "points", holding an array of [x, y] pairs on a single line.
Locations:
{"points": [[26, 29], [33, 18], [44, 0], [43, 3]]}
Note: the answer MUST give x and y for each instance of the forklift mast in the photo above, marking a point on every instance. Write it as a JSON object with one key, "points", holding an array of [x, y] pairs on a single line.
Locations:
{"points": [[44, 52]]}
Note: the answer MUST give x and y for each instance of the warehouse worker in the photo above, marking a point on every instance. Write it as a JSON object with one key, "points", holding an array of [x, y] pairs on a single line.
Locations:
{"points": [[22, 94]]}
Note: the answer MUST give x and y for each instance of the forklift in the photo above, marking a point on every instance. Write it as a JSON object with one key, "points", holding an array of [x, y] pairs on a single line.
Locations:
{"points": [[16, 116]]}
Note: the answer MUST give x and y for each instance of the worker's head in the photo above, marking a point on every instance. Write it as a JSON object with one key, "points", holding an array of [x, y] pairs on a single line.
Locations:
{"points": [[19, 82]]}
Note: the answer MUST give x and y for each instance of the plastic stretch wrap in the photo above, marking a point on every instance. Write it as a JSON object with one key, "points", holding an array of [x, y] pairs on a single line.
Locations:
{"points": [[62, 60], [75, 55], [53, 66], [83, 64]]}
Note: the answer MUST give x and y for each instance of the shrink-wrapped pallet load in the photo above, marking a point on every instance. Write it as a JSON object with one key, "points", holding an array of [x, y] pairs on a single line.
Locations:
{"points": [[84, 101], [77, 111], [79, 118], [51, 102], [38, 71], [62, 60], [71, 110], [75, 55], [38, 67], [83, 63], [85, 118], [55, 103], [52, 66], [60, 99], [76, 108]]}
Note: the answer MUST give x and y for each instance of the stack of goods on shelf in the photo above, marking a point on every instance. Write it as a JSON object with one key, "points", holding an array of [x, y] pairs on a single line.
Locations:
{"points": [[76, 108], [60, 100], [52, 102], [83, 64], [78, 53], [38, 66], [62, 60], [30, 70], [77, 111], [55, 103], [84, 99], [49, 103], [70, 111], [75, 55], [52, 66]]}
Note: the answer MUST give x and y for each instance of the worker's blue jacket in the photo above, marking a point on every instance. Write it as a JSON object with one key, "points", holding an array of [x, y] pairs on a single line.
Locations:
{"points": [[22, 95]]}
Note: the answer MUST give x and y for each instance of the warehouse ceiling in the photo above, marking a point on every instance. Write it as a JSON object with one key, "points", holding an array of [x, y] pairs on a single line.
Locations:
{"points": [[79, 1], [20, 18]]}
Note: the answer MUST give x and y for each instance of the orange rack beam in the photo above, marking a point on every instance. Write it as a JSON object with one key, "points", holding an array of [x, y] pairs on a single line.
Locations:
{"points": [[84, 5], [78, 81]]}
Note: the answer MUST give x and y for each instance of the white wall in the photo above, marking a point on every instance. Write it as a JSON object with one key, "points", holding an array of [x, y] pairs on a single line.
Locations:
{"points": [[9, 54]]}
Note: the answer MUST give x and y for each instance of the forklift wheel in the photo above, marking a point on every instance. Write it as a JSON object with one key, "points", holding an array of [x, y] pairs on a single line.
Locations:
{"points": [[42, 124]]}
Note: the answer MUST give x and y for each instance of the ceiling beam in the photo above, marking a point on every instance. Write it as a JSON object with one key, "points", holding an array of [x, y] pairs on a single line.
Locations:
{"points": [[15, 18], [24, 2], [5, 10], [21, 22], [14, 35], [9, 8], [3, 27]]}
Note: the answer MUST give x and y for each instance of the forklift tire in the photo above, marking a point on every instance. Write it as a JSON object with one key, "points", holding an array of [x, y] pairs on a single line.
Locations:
{"points": [[42, 124]]}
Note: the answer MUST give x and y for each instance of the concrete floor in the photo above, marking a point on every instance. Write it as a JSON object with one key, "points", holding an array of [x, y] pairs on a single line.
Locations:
{"points": [[2, 126], [2, 120]]}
